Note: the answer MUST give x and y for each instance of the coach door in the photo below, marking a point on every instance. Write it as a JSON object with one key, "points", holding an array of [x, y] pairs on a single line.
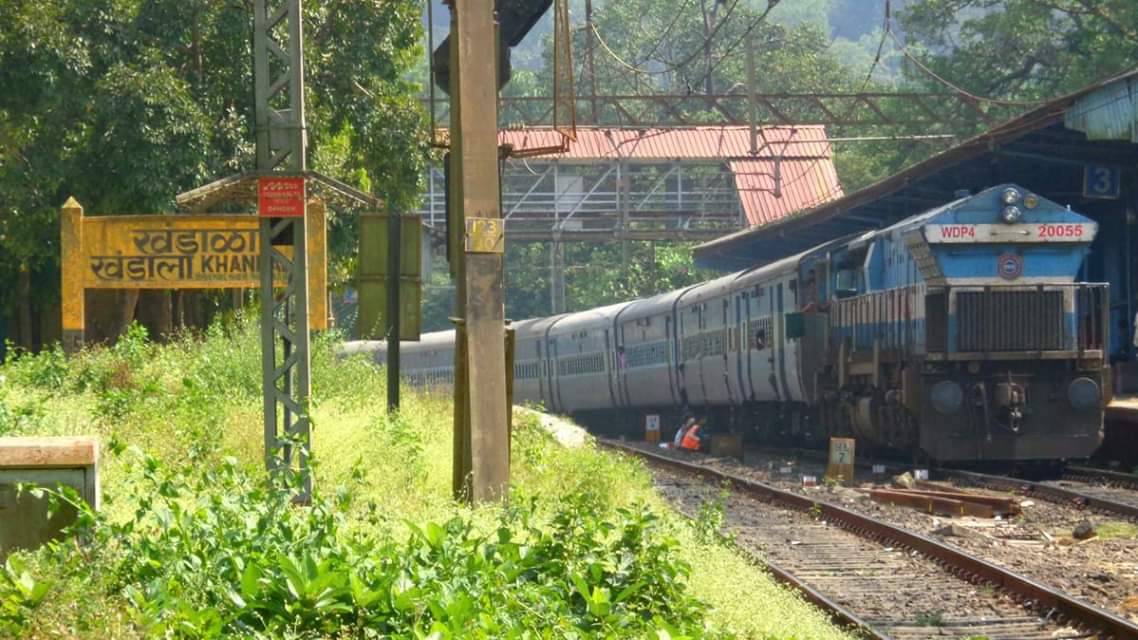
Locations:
{"points": [[616, 368], [541, 372], [742, 352]]}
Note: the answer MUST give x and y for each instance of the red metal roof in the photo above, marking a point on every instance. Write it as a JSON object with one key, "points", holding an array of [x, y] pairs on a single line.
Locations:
{"points": [[769, 192], [680, 143], [805, 169]]}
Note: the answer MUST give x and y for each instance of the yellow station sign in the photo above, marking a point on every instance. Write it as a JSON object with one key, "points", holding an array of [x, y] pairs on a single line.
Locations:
{"points": [[176, 252], [171, 252]]}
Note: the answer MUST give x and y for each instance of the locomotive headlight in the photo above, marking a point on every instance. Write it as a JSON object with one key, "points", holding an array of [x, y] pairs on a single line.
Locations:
{"points": [[1011, 215], [1011, 196], [946, 397], [1084, 394], [1030, 201]]}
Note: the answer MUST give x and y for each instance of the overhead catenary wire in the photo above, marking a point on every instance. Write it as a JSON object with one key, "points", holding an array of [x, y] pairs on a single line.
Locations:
{"points": [[887, 28], [667, 30], [958, 89], [734, 48], [673, 67]]}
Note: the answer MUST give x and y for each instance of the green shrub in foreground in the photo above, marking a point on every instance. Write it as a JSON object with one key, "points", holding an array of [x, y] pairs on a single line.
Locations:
{"points": [[221, 553]]}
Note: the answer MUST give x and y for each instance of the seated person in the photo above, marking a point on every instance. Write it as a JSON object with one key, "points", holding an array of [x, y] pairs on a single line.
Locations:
{"points": [[678, 440], [692, 441]]}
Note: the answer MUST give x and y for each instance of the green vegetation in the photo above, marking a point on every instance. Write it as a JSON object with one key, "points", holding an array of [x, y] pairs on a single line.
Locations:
{"points": [[193, 542], [125, 104], [1116, 529], [930, 619]]}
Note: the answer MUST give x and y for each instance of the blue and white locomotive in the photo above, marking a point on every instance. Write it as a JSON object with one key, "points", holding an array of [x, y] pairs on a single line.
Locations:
{"points": [[960, 333]]}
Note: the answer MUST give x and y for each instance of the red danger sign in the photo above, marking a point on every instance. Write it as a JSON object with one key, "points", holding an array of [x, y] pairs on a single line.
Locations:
{"points": [[280, 197]]}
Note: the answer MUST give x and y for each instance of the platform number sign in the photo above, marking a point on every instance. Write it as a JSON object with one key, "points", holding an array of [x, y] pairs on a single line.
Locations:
{"points": [[1101, 182], [652, 427], [652, 422]]}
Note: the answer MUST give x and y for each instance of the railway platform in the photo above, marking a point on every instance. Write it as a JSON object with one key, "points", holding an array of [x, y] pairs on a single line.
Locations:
{"points": [[1121, 442]]}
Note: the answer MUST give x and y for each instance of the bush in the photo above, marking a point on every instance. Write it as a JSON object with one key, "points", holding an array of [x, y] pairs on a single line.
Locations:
{"points": [[194, 542], [218, 552]]}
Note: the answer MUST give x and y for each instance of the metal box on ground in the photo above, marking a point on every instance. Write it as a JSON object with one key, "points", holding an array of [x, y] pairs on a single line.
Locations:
{"points": [[48, 462], [652, 428], [727, 445]]}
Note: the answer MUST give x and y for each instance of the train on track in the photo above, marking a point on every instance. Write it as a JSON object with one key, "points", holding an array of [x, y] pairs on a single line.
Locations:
{"points": [[960, 334]]}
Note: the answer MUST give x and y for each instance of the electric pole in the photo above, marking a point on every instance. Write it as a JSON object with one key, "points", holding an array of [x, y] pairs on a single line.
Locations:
{"points": [[590, 47], [278, 78], [482, 437]]}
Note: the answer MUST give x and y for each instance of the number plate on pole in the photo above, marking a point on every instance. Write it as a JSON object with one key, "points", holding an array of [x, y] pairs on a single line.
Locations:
{"points": [[281, 197], [484, 235]]}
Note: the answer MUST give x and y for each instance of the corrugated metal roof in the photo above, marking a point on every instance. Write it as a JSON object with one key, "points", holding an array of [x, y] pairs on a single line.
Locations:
{"points": [[1110, 113], [1101, 107], [770, 190], [805, 168], [686, 143]]}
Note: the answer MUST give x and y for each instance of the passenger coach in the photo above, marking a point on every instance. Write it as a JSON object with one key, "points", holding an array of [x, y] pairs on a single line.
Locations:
{"points": [[960, 333]]}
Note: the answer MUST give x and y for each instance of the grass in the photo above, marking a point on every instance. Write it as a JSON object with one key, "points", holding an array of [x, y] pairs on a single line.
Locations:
{"points": [[1117, 530], [193, 540]]}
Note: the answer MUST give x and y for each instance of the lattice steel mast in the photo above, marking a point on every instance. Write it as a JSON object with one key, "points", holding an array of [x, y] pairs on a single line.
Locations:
{"points": [[278, 77]]}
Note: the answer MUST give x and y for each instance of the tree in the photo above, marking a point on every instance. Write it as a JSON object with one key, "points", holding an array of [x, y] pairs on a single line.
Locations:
{"points": [[1022, 49], [126, 104]]}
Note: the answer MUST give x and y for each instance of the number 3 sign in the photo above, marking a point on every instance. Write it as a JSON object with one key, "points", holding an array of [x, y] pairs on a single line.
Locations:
{"points": [[1101, 182]]}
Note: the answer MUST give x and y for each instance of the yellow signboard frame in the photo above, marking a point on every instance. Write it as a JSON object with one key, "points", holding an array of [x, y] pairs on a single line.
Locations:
{"points": [[841, 459], [174, 252]]}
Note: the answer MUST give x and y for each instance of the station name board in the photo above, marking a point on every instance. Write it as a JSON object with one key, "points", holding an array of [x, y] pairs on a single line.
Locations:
{"points": [[178, 252]]}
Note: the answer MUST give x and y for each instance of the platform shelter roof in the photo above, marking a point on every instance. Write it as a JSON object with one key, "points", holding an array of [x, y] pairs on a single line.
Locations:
{"points": [[1048, 149]]}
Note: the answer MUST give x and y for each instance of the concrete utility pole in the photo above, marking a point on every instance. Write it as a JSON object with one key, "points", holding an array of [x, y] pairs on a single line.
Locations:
{"points": [[482, 437], [278, 77]]}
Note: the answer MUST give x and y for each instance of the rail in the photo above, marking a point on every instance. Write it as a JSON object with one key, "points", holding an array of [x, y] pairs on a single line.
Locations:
{"points": [[1056, 604]]}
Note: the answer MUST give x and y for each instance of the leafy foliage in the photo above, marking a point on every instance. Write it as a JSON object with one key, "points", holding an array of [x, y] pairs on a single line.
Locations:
{"points": [[212, 551], [1023, 49], [125, 104], [575, 554]]}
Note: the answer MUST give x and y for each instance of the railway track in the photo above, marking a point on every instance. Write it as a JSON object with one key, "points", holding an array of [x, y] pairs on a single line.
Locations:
{"points": [[889, 581], [1078, 488], [1100, 490]]}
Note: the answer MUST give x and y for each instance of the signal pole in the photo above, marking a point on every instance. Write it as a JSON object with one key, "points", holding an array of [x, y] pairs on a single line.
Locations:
{"points": [[482, 436]]}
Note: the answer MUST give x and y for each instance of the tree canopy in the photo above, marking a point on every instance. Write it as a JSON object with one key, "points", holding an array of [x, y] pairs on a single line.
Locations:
{"points": [[125, 104]]}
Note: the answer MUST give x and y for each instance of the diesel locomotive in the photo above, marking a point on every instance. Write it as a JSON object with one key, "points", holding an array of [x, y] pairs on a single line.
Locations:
{"points": [[960, 334]]}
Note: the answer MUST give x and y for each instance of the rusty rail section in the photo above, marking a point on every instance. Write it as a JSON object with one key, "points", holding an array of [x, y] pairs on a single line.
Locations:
{"points": [[1059, 495], [946, 503], [1054, 604]]}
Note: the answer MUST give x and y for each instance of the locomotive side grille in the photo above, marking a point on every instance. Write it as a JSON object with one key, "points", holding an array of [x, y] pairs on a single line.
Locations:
{"points": [[1020, 320]]}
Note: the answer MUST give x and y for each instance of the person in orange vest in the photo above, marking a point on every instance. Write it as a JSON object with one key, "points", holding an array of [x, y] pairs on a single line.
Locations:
{"points": [[691, 440]]}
